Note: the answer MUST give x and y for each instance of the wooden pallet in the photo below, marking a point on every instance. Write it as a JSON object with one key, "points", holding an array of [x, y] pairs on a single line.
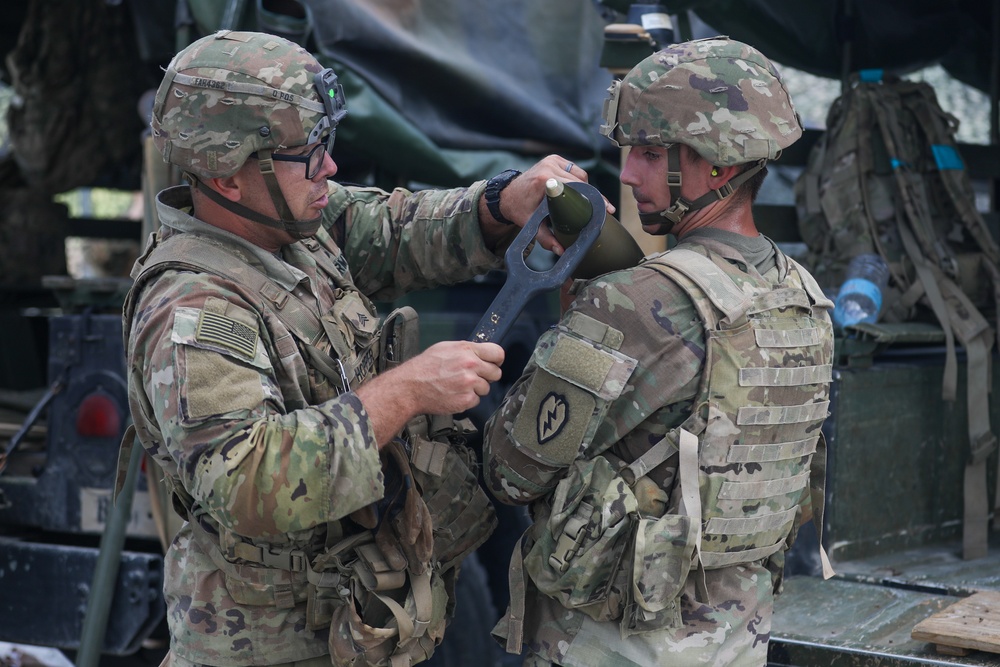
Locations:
{"points": [[972, 623]]}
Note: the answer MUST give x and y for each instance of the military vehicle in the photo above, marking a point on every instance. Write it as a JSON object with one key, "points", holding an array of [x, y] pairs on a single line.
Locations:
{"points": [[440, 94]]}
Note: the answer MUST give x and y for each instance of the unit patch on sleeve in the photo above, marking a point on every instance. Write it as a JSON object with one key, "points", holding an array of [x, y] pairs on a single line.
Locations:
{"points": [[227, 332], [553, 413], [553, 419]]}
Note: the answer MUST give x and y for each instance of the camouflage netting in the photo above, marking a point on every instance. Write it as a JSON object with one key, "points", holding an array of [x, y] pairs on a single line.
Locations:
{"points": [[66, 125]]}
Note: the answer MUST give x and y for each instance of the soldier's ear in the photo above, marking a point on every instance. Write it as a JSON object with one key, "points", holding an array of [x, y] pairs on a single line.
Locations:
{"points": [[230, 187], [724, 174]]}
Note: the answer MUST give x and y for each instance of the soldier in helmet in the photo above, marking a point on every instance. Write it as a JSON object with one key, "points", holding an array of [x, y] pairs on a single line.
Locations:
{"points": [[664, 432], [262, 384]]}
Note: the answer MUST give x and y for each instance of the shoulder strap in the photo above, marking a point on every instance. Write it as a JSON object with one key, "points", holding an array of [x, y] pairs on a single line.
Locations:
{"points": [[886, 104], [703, 272], [810, 285], [194, 251], [936, 126]]}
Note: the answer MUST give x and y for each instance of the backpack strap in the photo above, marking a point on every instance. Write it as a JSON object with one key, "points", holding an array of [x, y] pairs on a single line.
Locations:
{"points": [[960, 318], [938, 126], [917, 214]]}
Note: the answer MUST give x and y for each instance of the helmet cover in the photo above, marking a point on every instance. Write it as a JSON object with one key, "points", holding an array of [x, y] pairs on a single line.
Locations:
{"points": [[231, 94], [721, 97]]}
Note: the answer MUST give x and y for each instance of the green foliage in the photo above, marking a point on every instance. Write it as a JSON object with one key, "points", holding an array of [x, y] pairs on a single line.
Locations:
{"points": [[96, 202]]}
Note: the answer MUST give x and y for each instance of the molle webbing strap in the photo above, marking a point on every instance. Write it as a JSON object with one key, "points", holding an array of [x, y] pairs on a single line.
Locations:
{"points": [[690, 479], [778, 451], [790, 414], [763, 489], [516, 583], [753, 524], [650, 459], [817, 498], [780, 298], [788, 338], [429, 456], [718, 559], [789, 376]]}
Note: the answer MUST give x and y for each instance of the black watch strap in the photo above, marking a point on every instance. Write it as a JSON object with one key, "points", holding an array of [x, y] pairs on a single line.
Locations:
{"points": [[494, 187]]}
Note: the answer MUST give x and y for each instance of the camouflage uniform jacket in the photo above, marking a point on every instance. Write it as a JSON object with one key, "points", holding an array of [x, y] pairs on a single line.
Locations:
{"points": [[651, 326], [256, 444]]}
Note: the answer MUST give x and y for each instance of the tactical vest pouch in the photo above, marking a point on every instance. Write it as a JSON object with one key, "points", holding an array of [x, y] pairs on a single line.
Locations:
{"points": [[377, 615], [328, 577], [400, 338], [661, 561], [353, 331], [445, 470], [578, 550], [383, 629]]}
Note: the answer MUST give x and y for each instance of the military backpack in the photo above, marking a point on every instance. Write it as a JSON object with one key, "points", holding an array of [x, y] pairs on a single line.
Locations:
{"points": [[886, 178]]}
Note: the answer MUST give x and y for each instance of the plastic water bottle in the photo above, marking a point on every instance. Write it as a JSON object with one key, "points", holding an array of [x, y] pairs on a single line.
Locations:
{"points": [[655, 20], [860, 297]]}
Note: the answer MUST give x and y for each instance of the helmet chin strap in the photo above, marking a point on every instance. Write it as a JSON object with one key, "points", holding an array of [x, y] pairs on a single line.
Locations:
{"points": [[298, 229], [667, 219]]}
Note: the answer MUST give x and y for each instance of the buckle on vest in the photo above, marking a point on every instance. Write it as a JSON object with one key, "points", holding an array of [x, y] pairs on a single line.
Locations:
{"points": [[571, 539], [292, 560]]}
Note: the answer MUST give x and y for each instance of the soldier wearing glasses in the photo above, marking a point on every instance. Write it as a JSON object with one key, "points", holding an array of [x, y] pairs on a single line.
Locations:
{"points": [[264, 387]]}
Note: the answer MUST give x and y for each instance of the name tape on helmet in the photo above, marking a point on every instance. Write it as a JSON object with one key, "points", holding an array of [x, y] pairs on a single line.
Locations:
{"points": [[250, 89]]}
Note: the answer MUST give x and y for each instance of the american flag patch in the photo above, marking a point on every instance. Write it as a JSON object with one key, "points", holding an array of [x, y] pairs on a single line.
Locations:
{"points": [[225, 331]]}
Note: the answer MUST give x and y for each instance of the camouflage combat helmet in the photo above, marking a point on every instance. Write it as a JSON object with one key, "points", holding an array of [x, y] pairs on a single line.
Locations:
{"points": [[233, 95], [721, 97]]}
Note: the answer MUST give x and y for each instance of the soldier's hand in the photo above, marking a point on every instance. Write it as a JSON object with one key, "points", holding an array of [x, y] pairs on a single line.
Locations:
{"points": [[522, 196], [446, 378], [520, 199], [453, 376]]}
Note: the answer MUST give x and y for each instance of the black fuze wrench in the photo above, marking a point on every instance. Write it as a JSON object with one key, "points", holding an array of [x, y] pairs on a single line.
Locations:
{"points": [[523, 283]]}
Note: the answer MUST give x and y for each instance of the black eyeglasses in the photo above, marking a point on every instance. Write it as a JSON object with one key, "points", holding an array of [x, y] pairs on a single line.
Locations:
{"points": [[313, 159]]}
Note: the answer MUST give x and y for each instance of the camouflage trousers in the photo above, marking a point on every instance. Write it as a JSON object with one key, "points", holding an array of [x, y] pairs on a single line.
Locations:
{"points": [[322, 661], [533, 660]]}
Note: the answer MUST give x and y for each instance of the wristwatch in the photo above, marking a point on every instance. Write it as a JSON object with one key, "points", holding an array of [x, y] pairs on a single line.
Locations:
{"points": [[494, 187]]}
